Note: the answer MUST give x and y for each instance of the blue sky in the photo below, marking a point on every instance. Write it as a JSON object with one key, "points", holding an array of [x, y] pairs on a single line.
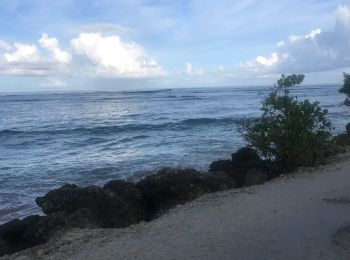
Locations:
{"points": [[134, 44]]}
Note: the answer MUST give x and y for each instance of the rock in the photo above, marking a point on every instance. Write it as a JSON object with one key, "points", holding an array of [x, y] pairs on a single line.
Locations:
{"points": [[255, 177], [270, 169], [221, 166], [342, 139], [244, 161], [170, 187], [132, 195], [348, 128], [239, 175], [273, 168], [217, 181], [72, 206], [346, 102], [244, 157], [18, 234], [69, 198]]}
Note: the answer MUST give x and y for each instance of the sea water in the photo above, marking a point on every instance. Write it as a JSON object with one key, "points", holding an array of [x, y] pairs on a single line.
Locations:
{"points": [[49, 139]]}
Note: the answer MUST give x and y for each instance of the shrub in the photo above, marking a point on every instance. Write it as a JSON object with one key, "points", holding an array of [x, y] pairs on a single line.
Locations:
{"points": [[289, 131], [346, 88]]}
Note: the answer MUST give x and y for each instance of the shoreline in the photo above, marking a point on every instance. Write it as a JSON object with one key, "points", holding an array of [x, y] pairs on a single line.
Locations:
{"points": [[120, 204], [306, 207]]}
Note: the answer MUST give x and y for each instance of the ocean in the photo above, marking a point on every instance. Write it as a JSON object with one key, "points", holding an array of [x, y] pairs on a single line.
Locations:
{"points": [[49, 139]]}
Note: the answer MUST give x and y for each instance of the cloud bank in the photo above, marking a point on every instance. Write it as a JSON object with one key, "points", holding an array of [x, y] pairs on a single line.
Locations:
{"points": [[314, 52], [57, 54], [28, 59], [113, 57], [98, 55], [99, 52]]}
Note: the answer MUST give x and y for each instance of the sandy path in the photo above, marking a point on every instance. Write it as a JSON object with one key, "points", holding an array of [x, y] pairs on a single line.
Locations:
{"points": [[293, 217]]}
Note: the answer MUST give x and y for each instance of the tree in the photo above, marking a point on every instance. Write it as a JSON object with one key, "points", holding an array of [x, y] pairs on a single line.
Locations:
{"points": [[289, 131], [346, 88]]}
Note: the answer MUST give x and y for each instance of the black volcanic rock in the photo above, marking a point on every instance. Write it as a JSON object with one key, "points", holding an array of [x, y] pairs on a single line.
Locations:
{"points": [[217, 181], [93, 206], [348, 128], [245, 156], [170, 187], [134, 196], [18, 234], [70, 198], [117, 204], [221, 166]]}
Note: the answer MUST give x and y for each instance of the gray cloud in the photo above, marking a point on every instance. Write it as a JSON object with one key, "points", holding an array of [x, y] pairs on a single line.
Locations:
{"points": [[317, 51]]}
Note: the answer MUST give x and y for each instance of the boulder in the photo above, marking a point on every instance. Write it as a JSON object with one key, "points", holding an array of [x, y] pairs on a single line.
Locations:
{"points": [[131, 194], [17, 235], [239, 175], [70, 198], [170, 187], [255, 177], [346, 102], [72, 206], [348, 129], [221, 166], [342, 139], [273, 168], [242, 175], [245, 156], [217, 181], [243, 161]]}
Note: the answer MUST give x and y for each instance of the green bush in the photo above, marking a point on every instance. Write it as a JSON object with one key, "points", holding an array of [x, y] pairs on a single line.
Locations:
{"points": [[346, 88], [289, 131]]}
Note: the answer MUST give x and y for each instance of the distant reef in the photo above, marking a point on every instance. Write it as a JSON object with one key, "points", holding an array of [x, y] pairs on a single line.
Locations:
{"points": [[120, 203]]}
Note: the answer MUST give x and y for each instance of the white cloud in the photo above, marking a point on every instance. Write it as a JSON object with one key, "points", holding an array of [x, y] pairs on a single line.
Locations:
{"points": [[27, 59], [106, 56], [189, 68], [52, 82], [280, 44], [52, 45], [23, 53], [5, 46], [314, 52], [311, 35], [192, 71], [343, 18], [268, 61], [113, 57]]}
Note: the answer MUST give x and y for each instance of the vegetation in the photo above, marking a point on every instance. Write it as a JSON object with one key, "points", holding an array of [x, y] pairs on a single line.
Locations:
{"points": [[289, 131], [346, 88]]}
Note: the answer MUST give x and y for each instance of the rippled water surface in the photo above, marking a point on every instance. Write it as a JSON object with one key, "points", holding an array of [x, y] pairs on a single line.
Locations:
{"points": [[47, 140]]}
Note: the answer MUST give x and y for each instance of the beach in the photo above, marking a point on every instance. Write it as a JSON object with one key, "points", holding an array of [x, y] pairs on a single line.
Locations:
{"points": [[299, 216]]}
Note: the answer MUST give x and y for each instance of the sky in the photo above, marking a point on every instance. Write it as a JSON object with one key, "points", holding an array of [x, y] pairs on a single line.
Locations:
{"points": [[147, 44]]}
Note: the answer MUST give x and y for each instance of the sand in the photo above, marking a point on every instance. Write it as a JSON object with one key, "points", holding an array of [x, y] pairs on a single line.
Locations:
{"points": [[305, 215]]}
